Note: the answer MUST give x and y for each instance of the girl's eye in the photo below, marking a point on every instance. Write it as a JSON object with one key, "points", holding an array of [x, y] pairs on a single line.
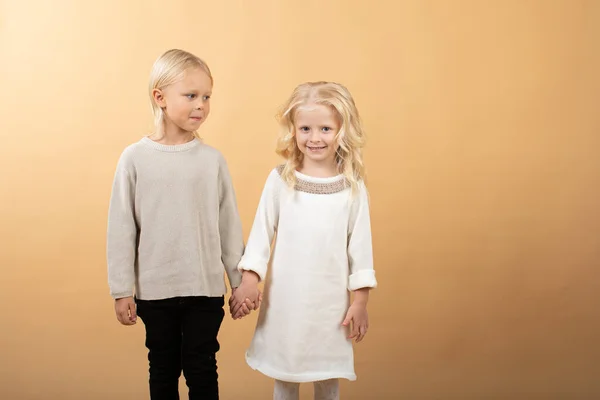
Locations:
{"points": [[326, 129], [190, 96], [304, 128]]}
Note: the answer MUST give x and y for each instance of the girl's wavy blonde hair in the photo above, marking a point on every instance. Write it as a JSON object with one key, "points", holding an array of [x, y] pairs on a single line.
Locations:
{"points": [[168, 69], [350, 137]]}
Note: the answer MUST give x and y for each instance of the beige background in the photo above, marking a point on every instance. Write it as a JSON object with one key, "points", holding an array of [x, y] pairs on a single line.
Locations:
{"points": [[483, 169]]}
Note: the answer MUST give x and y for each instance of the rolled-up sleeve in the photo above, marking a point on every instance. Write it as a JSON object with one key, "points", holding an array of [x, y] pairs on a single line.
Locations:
{"points": [[360, 246]]}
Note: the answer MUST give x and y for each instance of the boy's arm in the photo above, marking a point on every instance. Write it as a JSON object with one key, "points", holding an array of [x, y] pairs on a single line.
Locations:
{"points": [[121, 234], [230, 226]]}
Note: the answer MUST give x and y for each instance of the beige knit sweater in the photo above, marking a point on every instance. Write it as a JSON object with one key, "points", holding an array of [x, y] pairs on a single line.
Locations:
{"points": [[173, 224]]}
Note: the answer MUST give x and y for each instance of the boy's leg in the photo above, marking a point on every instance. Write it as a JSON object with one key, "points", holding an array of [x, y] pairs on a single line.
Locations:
{"points": [[286, 390], [202, 318], [163, 340], [327, 390]]}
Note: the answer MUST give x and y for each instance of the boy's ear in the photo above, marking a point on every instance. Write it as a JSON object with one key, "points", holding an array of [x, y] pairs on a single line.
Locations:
{"points": [[159, 98]]}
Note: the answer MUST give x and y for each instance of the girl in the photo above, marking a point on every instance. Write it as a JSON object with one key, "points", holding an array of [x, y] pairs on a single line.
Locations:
{"points": [[173, 227], [317, 204]]}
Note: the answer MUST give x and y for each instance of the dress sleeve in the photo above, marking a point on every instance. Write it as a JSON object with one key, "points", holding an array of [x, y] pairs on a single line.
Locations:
{"points": [[360, 247], [258, 248]]}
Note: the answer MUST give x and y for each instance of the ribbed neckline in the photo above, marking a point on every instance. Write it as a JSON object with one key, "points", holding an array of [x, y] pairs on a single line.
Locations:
{"points": [[170, 148], [314, 185], [313, 179]]}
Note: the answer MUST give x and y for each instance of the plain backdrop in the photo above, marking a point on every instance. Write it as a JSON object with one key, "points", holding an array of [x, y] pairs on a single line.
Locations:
{"points": [[483, 170]]}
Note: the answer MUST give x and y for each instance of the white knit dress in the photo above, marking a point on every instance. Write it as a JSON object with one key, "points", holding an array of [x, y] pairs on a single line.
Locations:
{"points": [[322, 251]]}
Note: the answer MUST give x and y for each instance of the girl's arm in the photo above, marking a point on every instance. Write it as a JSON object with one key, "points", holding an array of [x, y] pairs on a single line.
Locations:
{"points": [[360, 246], [258, 250], [254, 263], [360, 259]]}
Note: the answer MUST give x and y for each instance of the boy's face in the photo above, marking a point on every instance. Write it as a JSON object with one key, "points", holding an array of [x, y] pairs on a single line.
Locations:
{"points": [[316, 127], [186, 103]]}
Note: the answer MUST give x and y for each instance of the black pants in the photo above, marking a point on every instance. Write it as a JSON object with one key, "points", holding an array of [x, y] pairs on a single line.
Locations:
{"points": [[181, 334]]}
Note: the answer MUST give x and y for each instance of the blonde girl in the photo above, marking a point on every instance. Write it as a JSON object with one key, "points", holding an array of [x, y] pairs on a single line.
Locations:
{"points": [[316, 207]]}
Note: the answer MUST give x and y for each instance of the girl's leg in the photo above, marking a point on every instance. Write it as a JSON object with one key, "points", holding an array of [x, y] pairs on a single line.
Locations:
{"points": [[286, 391], [327, 390]]}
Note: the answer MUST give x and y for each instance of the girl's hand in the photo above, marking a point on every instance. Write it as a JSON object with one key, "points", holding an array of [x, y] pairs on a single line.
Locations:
{"points": [[245, 297], [357, 314], [126, 310], [245, 309]]}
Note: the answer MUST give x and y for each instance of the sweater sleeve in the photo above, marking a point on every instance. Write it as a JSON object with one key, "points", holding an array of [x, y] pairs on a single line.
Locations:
{"points": [[360, 248], [258, 249], [122, 233], [230, 226]]}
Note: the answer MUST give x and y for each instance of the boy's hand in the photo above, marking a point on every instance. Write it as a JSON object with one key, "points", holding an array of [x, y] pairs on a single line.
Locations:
{"points": [[357, 314], [126, 310]]}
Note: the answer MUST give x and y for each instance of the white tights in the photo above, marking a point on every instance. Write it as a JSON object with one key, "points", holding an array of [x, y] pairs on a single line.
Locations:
{"points": [[324, 390]]}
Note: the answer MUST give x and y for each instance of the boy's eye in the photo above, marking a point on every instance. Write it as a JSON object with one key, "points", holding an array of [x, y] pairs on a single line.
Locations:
{"points": [[206, 97], [190, 96]]}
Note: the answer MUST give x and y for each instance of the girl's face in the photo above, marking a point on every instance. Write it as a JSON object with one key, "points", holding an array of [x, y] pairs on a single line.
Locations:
{"points": [[316, 127], [186, 103]]}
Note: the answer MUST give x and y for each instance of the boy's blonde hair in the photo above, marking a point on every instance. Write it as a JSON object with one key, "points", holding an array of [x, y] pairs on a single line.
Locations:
{"points": [[350, 137], [168, 69]]}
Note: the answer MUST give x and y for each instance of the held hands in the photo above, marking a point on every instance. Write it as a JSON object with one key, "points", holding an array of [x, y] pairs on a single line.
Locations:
{"points": [[245, 297], [126, 310]]}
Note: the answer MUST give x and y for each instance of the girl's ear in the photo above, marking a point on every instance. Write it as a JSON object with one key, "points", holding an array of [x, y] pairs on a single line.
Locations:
{"points": [[159, 98]]}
